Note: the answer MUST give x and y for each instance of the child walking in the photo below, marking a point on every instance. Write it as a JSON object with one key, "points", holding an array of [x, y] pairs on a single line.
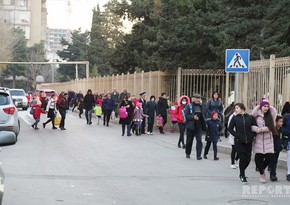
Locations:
{"points": [[171, 111], [138, 118], [214, 128], [98, 112], [36, 114]]}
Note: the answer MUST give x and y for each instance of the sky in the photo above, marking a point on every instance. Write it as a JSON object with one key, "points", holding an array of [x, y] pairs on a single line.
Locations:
{"points": [[80, 16]]}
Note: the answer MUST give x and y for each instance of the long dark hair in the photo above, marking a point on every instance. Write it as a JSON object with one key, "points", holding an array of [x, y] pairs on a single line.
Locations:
{"points": [[269, 122]]}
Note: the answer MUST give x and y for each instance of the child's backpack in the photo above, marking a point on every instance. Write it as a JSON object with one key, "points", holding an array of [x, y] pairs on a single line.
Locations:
{"points": [[123, 112], [32, 111]]}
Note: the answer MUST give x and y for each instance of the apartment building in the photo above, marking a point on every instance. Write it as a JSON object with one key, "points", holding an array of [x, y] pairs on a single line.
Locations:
{"points": [[29, 15]]}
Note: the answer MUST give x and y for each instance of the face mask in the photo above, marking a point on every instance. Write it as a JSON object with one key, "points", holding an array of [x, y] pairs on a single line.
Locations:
{"points": [[183, 102], [152, 99]]}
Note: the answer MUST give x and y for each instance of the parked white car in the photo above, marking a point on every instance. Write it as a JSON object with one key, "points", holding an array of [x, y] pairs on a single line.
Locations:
{"points": [[9, 120], [19, 96]]}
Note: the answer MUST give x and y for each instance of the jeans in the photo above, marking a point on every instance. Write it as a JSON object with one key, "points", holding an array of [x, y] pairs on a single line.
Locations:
{"points": [[88, 114], [123, 129], [197, 133]]}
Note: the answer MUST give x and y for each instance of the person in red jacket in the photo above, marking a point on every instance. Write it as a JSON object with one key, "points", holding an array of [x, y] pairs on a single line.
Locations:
{"points": [[36, 114], [182, 102]]}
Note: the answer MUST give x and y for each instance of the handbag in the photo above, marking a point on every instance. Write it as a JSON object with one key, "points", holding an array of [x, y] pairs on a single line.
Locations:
{"points": [[57, 120], [159, 121]]}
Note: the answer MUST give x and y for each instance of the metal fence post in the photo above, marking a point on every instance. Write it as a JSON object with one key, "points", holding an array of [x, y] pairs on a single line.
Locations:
{"points": [[178, 83], [272, 79]]}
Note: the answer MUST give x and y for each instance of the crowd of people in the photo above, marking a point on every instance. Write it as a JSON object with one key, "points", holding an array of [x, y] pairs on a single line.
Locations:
{"points": [[262, 132]]}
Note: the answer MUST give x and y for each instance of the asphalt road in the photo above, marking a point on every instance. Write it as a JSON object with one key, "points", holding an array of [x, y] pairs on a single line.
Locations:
{"points": [[94, 164]]}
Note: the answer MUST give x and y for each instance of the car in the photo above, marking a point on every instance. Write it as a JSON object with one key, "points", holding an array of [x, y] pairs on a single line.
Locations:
{"points": [[19, 96], [48, 92], [9, 120], [6, 138]]}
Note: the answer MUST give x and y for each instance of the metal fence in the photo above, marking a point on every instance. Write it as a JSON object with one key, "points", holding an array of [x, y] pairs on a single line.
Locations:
{"points": [[269, 78]]}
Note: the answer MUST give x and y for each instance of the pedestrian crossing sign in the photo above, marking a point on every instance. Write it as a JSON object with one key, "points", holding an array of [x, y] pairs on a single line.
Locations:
{"points": [[237, 60]]}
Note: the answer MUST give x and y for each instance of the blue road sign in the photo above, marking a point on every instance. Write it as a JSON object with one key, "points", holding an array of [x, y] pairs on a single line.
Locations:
{"points": [[237, 60]]}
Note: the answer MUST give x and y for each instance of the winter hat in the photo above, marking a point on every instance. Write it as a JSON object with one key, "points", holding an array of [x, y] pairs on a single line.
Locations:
{"points": [[264, 102], [138, 104], [175, 103], [213, 113]]}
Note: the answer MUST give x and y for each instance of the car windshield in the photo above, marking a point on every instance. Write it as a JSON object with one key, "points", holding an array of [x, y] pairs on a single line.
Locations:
{"points": [[4, 99], [17, 93]]}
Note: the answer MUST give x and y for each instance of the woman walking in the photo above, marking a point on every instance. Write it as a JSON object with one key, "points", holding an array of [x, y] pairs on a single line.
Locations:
{"points": [[151, 111], [89, 103], [108, 107], [51, 111], [126, 114], [263, 145], [215, 105], [241, 128]]}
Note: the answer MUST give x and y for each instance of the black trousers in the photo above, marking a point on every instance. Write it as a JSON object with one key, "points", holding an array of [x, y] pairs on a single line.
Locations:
{"points": [[244, 152], [234, 155], [150, 127], [197, 133], [164, 123], [107, 116], [128, 128], [273, 164], [62, 114], [181, 127], [264, 160], [208, 143]]}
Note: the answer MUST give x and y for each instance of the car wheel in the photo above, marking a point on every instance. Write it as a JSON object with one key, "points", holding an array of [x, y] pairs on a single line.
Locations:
{"points": [[18, 130]]}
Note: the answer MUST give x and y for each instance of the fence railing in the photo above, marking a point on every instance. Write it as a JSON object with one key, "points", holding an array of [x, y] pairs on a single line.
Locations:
{"points": [[269, 78]]}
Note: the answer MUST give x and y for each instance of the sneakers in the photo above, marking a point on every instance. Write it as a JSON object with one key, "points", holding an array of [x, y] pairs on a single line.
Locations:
{"points": [[148, 133], [32, 126], [243, 179], [54, 128], [179, 146], [199, 158], [273, 178], [43, 124], [288, 177], [233, 166], [151, 133], [262, 178]]}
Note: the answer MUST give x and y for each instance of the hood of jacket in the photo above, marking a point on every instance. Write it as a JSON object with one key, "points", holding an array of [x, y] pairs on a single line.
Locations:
{"points": [[258, 112], [181, 98]]}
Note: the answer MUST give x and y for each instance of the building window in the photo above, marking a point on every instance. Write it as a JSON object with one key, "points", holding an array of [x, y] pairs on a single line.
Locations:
{"points": [[7, 2], [23, 3]]}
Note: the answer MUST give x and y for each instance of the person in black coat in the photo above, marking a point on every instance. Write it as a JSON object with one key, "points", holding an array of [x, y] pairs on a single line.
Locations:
{"points": [[241, 128], [151, 109], [162, 107], [63, 106], [143, 101], [194, 125], [89, 103], [286, 109], [128, 120]]}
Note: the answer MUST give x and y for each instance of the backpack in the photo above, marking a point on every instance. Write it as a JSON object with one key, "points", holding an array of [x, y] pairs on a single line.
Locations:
{"points": [[123, 112], [183, 113], [32, 111]]}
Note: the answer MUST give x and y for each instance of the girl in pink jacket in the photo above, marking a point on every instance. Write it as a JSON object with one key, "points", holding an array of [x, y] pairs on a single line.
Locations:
{"points": [[263, 146]]}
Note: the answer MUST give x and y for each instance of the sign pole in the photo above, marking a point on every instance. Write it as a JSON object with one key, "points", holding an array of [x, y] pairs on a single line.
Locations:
{"points": [[237, 89]]}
